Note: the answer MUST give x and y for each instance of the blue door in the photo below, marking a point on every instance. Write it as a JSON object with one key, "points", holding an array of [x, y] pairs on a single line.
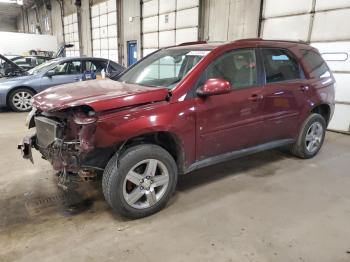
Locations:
{"points": [[132, 52]]}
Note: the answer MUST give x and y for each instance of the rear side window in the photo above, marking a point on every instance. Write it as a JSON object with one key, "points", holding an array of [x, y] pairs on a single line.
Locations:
{"points": [[280, 65], [315, 62]]}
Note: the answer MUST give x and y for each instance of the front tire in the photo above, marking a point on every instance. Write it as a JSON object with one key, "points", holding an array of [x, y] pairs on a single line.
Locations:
{"points": [[139, 182], [311, 137], [20, 100]]}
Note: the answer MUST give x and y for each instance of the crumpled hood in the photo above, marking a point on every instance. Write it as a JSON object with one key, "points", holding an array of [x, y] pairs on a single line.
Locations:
{"points": [[101, 95]]}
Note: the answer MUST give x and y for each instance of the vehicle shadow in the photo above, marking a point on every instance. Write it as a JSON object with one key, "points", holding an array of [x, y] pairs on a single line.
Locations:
{"points": [[87, 197], [5, 110], [258, 165]]}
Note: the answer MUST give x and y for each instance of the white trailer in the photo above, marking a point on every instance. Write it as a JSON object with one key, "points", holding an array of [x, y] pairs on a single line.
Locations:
{"points": [[20, 43]]}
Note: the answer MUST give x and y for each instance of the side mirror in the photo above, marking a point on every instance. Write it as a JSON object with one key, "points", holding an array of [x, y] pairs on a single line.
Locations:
{"points": [[50, 73], [214, 86]]}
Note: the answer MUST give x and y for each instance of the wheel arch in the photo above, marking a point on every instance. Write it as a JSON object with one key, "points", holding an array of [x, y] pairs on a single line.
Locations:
{"points": [[165, 139], [324, 110], [16, 88]]}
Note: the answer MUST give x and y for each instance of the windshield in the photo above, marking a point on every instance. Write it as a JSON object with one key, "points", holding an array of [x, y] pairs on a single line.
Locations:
{"points": [[43, 67], [164, 68]]}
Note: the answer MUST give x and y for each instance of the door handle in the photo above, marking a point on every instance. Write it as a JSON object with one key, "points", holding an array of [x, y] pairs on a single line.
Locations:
{"points": [[304, 88], [76, 78], [255, 97]]}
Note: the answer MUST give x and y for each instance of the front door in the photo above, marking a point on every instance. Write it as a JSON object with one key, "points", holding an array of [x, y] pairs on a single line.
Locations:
{"points": [[65, 72], [231, 121]]}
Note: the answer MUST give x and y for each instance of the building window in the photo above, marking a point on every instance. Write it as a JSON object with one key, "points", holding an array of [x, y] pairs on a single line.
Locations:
{"points": [[104, 30]]}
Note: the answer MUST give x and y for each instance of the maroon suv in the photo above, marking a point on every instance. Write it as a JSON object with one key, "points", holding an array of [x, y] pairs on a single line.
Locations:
{"points": [[179, 109]]}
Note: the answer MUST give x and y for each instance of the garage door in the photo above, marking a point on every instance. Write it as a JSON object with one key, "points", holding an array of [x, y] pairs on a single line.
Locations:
{"points": [[104, 30], [322, 23], [71, 34], [168, 22]]}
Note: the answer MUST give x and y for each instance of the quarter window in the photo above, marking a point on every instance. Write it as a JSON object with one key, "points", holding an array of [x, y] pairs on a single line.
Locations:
{"points": [[238, 67], [317, 65], [280, 66]]}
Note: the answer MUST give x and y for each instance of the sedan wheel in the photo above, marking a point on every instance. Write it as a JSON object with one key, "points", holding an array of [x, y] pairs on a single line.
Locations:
{"points": [[21, 100]]}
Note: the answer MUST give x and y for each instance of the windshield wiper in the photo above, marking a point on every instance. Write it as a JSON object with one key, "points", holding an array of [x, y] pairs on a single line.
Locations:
{"points": [[174, 82]]}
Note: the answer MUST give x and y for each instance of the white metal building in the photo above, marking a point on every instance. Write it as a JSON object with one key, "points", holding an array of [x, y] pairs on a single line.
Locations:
{"points": [[323, 24], [71, 34], [127, 30], [168, 22], [104, 30]]}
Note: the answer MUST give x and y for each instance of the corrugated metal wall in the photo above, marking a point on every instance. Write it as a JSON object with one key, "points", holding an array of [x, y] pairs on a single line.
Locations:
{"points": [[71, 34], [323, 23], [169, 22], [104, 30], [227, 20]]}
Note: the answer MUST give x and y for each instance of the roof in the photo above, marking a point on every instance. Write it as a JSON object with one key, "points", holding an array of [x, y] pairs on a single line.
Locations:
{"points": [[78, 57]]}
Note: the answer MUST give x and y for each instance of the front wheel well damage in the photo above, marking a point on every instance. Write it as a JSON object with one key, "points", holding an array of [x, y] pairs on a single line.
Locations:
{"points": [[169, 141], [99, 157]]}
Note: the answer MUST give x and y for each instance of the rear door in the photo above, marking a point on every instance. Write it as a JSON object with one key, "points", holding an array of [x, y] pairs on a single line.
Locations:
{"points": [[285, 94], [65, 72], [232, 121]]}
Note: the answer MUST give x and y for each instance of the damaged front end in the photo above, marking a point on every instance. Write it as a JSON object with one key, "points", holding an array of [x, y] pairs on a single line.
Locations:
{"points": [[64, 138]]}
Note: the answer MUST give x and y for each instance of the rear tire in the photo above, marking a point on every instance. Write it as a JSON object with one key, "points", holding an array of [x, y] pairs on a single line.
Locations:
{"points": [[311, 137], [20, 100], [140, 182]]}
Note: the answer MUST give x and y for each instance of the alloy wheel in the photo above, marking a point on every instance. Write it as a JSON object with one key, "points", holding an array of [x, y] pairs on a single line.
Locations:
{"points": [[314, 137], [145, 183], [22, 100]]}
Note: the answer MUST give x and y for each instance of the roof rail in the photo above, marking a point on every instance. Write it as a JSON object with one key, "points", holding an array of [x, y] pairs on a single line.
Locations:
{"points": [[249, 39], [290, 41], [277, 40], [192, 43]]}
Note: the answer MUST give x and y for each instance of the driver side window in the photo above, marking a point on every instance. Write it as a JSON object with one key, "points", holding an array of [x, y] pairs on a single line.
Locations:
{"points": [[68, 68], [237, 67]]}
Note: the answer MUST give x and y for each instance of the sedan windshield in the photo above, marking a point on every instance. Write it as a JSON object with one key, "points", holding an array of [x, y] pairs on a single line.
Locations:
{"points": [[164, 68], [43, 67]]}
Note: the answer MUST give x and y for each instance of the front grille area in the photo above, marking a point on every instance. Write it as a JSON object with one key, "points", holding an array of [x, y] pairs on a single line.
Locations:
{"points": [[46, 130]]}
